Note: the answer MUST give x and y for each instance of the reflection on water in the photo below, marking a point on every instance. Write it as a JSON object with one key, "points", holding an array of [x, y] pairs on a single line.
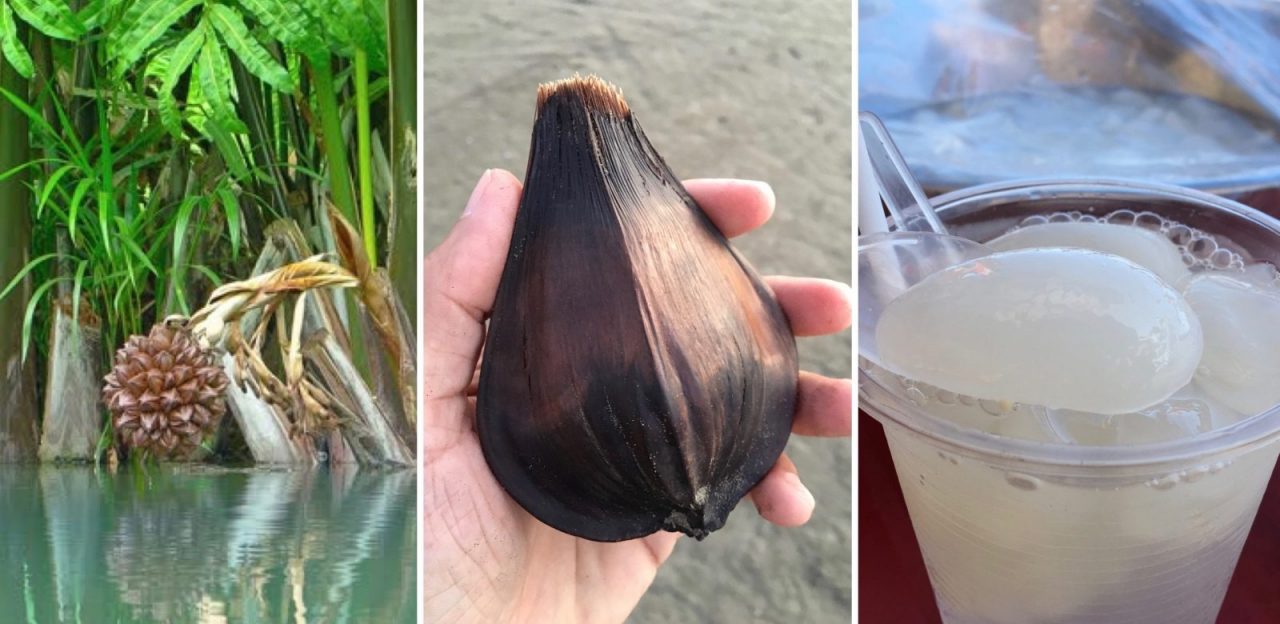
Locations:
{"points": [[194, 544]]}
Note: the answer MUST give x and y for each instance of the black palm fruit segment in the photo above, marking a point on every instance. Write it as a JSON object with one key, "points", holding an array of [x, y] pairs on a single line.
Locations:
{"points": [[638, 375]]}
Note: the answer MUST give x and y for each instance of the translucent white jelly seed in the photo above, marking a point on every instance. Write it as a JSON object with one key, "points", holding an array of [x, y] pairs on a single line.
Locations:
{"points": [[1062, 328], [1241, 362], [1140, 245]]}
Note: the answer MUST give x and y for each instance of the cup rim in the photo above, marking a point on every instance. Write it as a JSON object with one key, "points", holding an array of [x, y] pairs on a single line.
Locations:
{"points": [[1257, 430]]}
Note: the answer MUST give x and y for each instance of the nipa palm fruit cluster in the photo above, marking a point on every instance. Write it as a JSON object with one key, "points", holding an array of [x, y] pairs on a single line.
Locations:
{"points": [[165, 392]]}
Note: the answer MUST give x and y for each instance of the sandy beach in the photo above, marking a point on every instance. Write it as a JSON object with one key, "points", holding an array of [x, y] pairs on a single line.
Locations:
{"points": [[721, 92]]}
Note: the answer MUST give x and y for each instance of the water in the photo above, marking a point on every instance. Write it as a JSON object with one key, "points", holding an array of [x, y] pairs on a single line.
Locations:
{"points": [[194, 543]]}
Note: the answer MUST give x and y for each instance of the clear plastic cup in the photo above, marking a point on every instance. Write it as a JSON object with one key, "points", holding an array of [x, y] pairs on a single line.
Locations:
{"points": [[1019, 531]]}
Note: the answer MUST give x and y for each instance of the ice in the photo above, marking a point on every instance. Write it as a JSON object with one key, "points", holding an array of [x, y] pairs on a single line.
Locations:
{"points": [[1260, 274], [1060, 328], [1223, 415], [1241, 362], [1146, 248], [1189, 412]]}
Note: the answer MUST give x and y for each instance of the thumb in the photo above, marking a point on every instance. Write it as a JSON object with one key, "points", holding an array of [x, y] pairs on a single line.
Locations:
{"points": [[461, 280]]}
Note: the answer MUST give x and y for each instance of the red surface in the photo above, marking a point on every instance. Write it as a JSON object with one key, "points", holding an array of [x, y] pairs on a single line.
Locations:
{"points": [[893, 587], [1266, 200]]}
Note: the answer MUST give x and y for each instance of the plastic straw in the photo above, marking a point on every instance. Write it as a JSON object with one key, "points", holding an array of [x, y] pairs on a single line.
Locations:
{"points": [[871, 217]]}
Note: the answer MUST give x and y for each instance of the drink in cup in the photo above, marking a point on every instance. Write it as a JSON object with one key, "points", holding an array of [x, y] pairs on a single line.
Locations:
{"points": [[1080, 474]]}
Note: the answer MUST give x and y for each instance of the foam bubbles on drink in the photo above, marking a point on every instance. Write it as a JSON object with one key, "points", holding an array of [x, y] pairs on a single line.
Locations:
{"points": [[1198, 250], [1057, 327]]}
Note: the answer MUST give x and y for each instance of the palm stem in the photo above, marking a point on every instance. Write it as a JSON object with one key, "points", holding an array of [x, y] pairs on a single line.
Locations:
{"points": [[17, 396], [335, 147], [403, 260], [364, 154]]}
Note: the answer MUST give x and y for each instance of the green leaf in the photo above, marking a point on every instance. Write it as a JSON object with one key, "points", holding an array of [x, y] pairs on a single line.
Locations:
{"points": [[22, 274], [77, 288], [177, 277], [50, 185], [31, 312], [144, 22], [132, 246], [170, 116], [178, 268], [256, 59], [31, 164], [294, 24], [180, 227], [104, 442], [184, 53], [33, 116], [51, 17], [215, 80], [104, 217], [208, 273], [73, 209], [106, 193], [227, 146], [118, 300], [13, 49], [231, 207], [180, 59], [71, 143], [362, 25], [93, 14]]}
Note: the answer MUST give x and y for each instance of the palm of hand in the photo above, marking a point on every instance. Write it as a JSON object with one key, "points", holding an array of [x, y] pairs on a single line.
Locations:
{"points": [[535, 573]]}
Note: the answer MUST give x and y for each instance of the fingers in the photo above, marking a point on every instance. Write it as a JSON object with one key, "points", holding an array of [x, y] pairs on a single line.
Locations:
{"points": [[781, 498], [813, 306], [735, 206], [461, 280], [660, 545], [824, 406]]}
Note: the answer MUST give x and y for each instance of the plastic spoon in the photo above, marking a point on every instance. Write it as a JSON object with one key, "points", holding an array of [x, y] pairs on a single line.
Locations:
{"points": [[893, 259]]}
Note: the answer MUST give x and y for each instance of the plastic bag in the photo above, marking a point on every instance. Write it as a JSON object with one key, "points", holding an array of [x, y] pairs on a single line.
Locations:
{"points": [[1178, 91]]}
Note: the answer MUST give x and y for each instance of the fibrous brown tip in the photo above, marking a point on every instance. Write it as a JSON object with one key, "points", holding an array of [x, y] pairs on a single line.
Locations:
{"points": [[594, 92]]}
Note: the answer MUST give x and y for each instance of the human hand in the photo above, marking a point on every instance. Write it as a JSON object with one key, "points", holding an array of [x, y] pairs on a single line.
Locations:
{"points": [[487, 559]]}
